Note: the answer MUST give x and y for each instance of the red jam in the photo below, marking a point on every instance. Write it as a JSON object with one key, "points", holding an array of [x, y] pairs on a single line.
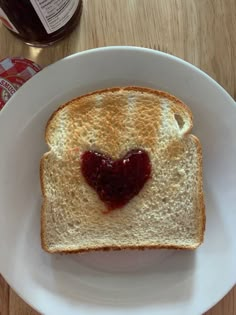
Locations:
{"points": [[116, 182]]}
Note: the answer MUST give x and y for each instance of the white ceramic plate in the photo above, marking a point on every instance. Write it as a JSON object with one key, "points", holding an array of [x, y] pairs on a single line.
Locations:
{"points": [[156, 282]]}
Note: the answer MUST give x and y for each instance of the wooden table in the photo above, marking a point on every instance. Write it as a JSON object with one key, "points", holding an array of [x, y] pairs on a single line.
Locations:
{"points": [[202, 32]]}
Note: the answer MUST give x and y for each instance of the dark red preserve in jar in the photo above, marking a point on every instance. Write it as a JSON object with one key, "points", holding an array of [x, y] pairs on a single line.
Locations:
{"points": [[40, 22]]}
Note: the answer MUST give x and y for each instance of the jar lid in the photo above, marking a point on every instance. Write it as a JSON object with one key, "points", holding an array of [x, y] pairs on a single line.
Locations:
{"points": [[14, 72]]}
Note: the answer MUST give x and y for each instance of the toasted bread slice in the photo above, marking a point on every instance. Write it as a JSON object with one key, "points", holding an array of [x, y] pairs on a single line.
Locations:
{"points": [[168, 212]]}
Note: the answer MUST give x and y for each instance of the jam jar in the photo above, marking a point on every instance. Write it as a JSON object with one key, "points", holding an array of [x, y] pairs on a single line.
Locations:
{"points": [[40, 22], [14, 72]]}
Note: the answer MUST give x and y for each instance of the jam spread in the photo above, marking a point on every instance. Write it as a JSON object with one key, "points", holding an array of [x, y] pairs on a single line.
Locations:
{"points": [[25, 23], [116, 182]]}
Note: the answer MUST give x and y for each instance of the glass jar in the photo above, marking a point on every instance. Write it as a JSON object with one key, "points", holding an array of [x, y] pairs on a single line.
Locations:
{"points": [[40, 22]]}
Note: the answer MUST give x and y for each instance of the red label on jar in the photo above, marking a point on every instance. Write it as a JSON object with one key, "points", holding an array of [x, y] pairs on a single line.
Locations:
{"points": [[14, 72]]}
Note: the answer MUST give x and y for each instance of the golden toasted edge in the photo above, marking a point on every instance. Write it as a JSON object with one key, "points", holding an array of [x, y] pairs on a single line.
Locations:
{"points": [[200, 188], [116, 248], [142, 90], [128, 88], [42, 216]]}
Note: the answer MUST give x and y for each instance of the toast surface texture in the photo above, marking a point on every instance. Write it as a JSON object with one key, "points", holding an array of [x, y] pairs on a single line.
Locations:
{"points": [[168, 212]]}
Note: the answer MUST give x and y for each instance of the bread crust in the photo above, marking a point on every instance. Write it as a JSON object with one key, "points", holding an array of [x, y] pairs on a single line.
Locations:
{"points": [[177, 102], [116, 248], [201, 194], [128, 88]]}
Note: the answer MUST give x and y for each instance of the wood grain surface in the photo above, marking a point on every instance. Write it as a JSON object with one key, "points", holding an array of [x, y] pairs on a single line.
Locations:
{"points": [[202, 32]]}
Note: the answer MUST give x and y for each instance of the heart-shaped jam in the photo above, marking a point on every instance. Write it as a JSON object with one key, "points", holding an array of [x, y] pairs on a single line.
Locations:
{"points": [[116, 182]]}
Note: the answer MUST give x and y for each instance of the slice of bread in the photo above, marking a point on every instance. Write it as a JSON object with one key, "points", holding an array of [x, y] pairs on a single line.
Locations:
{"points": [[169, 210]]}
